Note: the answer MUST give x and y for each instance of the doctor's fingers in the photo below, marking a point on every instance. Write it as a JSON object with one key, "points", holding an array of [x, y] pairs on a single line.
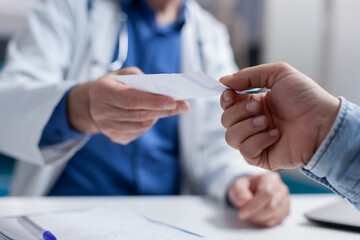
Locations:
{"points": [[239, 112], [131, 99], [266, 188], [256, 205], [230, 97], [240, 191], [118, 114], [112, 92], [127, 71], [275, 211], [124, 132]]}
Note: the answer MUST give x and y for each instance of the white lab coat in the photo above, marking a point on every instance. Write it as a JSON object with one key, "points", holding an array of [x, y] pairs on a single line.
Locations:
{"points": [[56, 51]]}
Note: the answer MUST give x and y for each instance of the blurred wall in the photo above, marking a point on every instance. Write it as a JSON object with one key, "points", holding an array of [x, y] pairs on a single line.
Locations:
{"points": [[343, 65], [12, 15], [244, 20], [320, 38], [293, 33], [12, 19]]}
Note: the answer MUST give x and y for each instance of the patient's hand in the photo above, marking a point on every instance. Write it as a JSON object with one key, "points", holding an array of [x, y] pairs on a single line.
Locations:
{"points": [[262, 199], [282, 128]]}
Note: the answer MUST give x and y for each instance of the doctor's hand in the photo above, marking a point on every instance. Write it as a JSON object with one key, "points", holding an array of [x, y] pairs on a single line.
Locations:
{"points": [[282, 128], [262, 200], [121, 113]]}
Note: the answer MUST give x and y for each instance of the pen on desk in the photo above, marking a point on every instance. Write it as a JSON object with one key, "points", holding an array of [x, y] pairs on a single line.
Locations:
{"points": [[35, 229], [5, 237]]}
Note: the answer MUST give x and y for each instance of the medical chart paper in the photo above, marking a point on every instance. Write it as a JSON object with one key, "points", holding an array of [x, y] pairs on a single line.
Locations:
{"points": [[98, 223], [178, 86]]}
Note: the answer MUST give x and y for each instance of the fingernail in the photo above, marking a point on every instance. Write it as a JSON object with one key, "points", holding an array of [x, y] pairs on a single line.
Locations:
{"points": [[244, 214], [252, 106], [170, 105], [259, 121], [183, 108], [227, 78], [273, 133], [226, 96]]}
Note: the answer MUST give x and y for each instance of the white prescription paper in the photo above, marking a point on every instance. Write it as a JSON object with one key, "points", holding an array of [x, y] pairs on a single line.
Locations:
{"points": [[178, 86], [97, 224]]}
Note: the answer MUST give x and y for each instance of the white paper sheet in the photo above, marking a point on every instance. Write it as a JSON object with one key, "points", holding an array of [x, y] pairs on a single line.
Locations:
{"points": [[178, 86], [99, 223]]}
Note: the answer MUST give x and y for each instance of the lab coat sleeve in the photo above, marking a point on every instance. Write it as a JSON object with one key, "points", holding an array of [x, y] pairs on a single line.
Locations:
{"points": [[211, 165], [32, 83], [58, 129]]}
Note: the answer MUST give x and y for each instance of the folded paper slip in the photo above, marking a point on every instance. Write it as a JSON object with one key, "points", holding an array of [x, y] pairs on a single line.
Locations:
{"points": [[178, 86]]}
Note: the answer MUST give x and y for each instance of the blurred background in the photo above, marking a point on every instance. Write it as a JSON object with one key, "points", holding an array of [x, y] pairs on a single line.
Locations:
{"points": [[319, 37]]}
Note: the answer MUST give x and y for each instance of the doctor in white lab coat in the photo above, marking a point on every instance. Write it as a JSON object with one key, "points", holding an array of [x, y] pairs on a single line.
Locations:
{"points": [[56, 51]]}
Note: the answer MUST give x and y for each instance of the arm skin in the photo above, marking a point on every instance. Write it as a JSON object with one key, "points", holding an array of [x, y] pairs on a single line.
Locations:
{"points": [[296, 124], [280, 129], [262, 199]]}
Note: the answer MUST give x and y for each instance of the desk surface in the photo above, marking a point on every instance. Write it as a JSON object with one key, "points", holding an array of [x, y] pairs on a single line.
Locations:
{"points": [[196, 214]]}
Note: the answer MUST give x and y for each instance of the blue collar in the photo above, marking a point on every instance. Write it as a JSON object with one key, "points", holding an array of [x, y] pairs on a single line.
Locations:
{"points": [[149, 14]]}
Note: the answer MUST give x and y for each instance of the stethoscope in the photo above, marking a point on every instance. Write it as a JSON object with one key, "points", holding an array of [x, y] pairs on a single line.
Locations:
{"points": [[122, 47], [121, 50]]}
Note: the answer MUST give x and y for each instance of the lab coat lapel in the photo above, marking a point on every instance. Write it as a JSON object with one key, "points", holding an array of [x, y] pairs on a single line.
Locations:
{"points": [[190, 60], [105, 24]]}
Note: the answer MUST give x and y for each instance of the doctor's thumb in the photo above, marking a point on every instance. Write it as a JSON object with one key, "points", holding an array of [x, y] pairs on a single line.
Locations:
{"points": [[128, 71], [240, 193]]}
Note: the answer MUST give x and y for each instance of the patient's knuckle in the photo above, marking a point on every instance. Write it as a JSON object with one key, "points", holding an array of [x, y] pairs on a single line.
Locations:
{"points": [[229, 137], [245, 152], [224, 120]]}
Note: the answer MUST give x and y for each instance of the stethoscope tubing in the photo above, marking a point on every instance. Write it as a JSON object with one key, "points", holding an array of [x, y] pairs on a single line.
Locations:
{"points": [[120, 57]]}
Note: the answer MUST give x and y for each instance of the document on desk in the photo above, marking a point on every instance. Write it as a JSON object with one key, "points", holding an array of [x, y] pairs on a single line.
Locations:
{"points": [[182, 86], [99, 223]]}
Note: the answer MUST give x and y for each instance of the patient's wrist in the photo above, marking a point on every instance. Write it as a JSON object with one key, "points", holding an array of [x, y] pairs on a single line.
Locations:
{"points": [[330, 111]]}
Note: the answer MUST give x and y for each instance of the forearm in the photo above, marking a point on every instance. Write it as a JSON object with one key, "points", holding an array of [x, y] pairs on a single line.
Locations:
{"points": [[336, 163]]}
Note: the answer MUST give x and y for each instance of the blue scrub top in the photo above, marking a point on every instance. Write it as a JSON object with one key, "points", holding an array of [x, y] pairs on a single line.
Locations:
{"points": [[148, 165]]}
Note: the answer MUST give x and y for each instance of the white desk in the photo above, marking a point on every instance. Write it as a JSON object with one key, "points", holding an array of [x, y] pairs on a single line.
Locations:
{"points": [[196, 214]]}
